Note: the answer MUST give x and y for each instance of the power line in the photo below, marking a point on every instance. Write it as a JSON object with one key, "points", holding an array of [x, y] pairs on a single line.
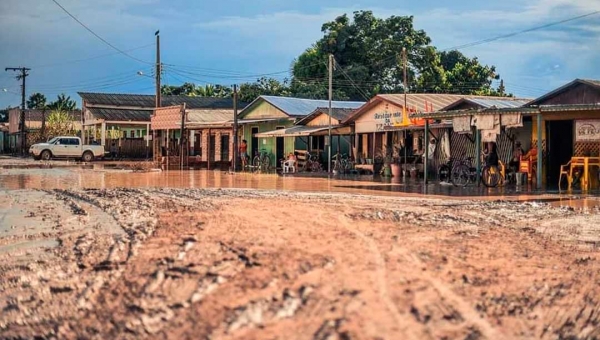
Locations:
{"points": [[92, 58], [99, 37], [504, 36]]}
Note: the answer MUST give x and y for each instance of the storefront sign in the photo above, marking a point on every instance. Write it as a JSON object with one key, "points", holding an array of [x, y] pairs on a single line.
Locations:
{"points": [[587, 130], [386, 120]]}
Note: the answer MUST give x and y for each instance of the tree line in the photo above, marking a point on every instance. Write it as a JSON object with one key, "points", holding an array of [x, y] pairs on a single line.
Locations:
{"points": [[367, 51]]}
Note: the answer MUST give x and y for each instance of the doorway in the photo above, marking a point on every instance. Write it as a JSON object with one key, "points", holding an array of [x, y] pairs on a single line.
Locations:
{"points": [[279, 146], [559, 137], [253, 142], [212, 146]]}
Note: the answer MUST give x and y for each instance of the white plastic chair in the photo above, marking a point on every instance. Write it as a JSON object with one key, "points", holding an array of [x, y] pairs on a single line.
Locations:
{"points": [[289, 166]]}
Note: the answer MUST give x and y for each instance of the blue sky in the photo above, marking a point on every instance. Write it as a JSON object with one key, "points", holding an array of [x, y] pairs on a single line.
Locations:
{"points": [[231, 41]]}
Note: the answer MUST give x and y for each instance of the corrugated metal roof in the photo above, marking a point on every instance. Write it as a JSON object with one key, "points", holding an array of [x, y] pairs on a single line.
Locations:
{"points": [[147, 101], [293, 131], [488, 102], [301, 107], [121, 115], [590, 82], [498, 103], [418, 101], [336, 113], [209, 116], [36, 115]]}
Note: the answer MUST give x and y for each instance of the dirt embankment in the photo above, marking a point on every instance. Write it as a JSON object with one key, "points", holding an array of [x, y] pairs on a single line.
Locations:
{"points": [[234, 264]]}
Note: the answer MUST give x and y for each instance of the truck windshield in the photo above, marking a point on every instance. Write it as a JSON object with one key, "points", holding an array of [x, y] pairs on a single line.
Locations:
{"points": [[53, 140]]}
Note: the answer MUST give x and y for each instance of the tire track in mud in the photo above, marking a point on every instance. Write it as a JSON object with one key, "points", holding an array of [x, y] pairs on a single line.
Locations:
{"points": [[446, 293], [382, 280]]}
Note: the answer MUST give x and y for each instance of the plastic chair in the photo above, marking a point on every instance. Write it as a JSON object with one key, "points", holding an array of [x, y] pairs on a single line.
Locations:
{"points": [[289, 166], [565, 170], [528, 166]]}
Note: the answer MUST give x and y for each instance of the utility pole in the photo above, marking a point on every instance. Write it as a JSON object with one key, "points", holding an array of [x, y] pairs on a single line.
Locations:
{"points": [[330, 97], [21, 77], [235, 128], [405, 108], [158, 70]]}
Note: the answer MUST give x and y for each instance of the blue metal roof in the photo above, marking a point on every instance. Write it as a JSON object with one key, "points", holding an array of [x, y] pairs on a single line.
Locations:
{"points": [[498, 103], [302, 107]]}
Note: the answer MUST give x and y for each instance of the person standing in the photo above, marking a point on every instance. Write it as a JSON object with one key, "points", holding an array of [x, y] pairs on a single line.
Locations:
{"points": [[243, 150], [516, 157]]}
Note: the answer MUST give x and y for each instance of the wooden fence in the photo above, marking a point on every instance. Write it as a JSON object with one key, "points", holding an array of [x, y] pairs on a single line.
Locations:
{"points": [[130, 148]]}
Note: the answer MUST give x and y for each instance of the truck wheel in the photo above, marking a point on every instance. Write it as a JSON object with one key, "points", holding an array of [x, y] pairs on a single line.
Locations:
{"points": [[46, 155], [87, 157]]}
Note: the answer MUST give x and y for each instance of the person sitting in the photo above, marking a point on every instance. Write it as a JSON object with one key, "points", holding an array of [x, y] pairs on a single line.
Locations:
{"points": [[516, 157], [492, 156]]}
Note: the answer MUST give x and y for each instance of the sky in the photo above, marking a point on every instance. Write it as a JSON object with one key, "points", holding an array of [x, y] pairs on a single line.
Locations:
{"points": [[234, 41]]}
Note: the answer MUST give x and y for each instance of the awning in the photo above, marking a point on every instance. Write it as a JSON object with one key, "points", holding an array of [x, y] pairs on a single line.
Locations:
{"points": [[300, 131]]}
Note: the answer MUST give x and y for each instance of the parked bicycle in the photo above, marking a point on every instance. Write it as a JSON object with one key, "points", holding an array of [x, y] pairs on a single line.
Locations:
{"points": [[445, 170], [312, 163], [341, 163], [261, 162], [463, 173]]}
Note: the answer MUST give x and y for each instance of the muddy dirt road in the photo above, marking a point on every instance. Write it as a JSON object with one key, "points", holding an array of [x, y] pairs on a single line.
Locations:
{"points": [[247, 264]]}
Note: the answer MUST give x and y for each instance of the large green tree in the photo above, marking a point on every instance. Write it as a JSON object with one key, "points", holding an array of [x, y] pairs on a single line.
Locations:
{"points": [[263, 86], [36, 101], [367, 51]]}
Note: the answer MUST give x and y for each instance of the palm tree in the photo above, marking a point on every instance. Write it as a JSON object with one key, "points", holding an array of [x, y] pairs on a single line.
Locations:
{"points": [[38, 101], [63, 103]]}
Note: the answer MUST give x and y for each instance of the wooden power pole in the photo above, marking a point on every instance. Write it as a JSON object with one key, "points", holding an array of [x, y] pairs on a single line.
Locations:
{"points": [[330, 98], [405, 115], [235, 129], [158, 70], [22, 78]]}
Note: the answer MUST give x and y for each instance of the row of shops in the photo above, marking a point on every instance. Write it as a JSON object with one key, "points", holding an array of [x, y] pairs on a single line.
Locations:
{"points": [[402, 129]]}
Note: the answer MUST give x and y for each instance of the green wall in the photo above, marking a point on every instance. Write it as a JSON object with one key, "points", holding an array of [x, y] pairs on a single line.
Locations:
{"points": [[269, 143]]}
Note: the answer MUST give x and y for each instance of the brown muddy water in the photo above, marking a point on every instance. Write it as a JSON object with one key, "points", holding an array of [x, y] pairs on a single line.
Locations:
{"points": [[100, 176]]}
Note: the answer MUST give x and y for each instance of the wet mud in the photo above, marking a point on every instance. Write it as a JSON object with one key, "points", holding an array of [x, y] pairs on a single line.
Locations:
{"points": [[155, 263]]}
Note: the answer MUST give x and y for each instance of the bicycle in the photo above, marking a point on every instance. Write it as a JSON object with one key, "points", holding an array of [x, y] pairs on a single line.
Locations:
{"points": [[445, 170], [341, 163], [493, 176], [261, 162], [312, 163], [464, 173]]}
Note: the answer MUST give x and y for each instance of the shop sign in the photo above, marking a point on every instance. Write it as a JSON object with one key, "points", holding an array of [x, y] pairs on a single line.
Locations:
{"points": [[390, 120], [587, 130]]}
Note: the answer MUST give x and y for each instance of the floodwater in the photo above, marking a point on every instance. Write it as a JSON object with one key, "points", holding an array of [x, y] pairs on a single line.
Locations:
{"points": [[98, 176]]}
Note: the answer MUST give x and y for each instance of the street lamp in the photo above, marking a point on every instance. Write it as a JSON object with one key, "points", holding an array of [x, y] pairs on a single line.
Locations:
{"points": [[140, 73]]}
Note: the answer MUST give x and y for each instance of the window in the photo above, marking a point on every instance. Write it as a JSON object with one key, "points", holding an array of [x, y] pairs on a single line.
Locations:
{"points": [[132, 133], [318, 143], [73, 141]]}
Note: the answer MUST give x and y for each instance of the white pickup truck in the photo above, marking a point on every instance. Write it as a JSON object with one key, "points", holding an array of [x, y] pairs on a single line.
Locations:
{"points": [[66, 147]]}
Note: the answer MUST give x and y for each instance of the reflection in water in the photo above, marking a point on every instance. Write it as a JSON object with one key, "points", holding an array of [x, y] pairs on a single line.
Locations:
{"points": [[56, 178]]}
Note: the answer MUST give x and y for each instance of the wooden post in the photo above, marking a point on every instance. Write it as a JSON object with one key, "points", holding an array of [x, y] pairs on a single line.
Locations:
{"points": [[181, 145], [478, 154], [208, 151], [538, 171], [355, 149], [426, 160], [373, 155], [168, 146], [103, 134]]}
